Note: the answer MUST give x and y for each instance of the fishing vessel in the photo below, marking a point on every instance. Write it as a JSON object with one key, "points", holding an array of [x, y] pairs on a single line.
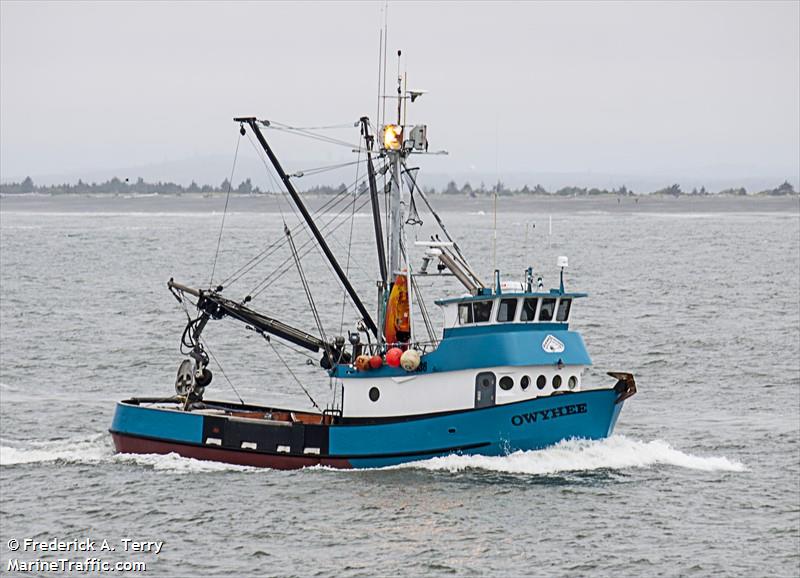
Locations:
{"points": [[505, 373]]}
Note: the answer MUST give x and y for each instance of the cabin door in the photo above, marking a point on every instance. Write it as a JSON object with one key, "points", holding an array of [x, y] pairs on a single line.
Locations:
{"points": [[485, 385]]}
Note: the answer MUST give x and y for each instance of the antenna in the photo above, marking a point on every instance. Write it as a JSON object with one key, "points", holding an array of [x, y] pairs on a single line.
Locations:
{"points": [[380, 56], [385, 45], [399, 89], [494, 203]]}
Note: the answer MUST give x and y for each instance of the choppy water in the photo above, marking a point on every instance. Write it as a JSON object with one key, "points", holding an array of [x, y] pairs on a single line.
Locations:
{"points": [[700, 301]]}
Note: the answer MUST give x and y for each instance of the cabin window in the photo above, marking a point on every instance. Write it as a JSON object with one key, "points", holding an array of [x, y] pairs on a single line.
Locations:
{"points": [[541, 381], [547, 309], [506, 382], [573, 381], [474, 312], [482, 311], [556, 381], [524, 382], [464, 313], [507, 310], [374, 393], [563, 309], [528, 309]]}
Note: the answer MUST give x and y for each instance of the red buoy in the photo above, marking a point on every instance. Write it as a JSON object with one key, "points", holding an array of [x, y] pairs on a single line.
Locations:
{"points": [[375, 361], [393, 356]]}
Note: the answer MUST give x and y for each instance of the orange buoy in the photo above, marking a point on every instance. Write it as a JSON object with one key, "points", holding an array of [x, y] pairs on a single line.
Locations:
{"points": [[393, 357], [397, 328], [362, 362], [375, 361]]}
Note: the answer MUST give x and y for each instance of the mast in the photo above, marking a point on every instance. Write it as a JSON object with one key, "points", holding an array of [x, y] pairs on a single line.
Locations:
{"points": [[373, 197], [396, 192], [252, 122]]}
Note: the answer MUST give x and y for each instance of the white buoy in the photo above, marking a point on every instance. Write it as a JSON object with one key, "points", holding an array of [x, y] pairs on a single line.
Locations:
{"points": [[410, 360]]}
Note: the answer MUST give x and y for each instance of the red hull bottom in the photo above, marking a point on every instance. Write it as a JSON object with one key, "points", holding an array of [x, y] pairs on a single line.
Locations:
{"points": [[134, 445]]}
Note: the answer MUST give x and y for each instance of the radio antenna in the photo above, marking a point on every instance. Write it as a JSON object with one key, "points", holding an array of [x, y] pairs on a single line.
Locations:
{"points": [[380, 59], [385, 45]]}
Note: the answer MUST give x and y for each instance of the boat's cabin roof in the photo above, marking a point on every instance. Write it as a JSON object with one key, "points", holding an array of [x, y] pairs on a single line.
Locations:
{"points": [[517, 307]]}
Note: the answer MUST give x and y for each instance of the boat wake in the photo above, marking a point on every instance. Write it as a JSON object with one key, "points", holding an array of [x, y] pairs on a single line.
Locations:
{"points": [[615, 453], [81, 450], [99, 449]]}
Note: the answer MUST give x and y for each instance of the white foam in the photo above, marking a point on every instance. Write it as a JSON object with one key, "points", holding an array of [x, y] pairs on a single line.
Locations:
{"points": [[98, 448], [173, 463], [617, 452], [86, 449]]}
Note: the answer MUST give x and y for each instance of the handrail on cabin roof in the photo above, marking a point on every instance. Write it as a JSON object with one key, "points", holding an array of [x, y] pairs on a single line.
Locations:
{"points": [[467, 298]]}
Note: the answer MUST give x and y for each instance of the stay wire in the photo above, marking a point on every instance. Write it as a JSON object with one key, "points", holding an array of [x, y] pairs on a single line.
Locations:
{"points": [[222, 371], [284, 265], [308, 134], [225, 211], [349, 246], [275, 245], [270, 249], [280, 268], [278, 188], [270, 279], [324, 127], [289, 369], [312, 305], [317, 170], [296, 258]]}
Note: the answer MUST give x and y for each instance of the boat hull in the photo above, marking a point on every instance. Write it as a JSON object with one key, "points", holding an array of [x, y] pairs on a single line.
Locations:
{"points": [[492, 431]]}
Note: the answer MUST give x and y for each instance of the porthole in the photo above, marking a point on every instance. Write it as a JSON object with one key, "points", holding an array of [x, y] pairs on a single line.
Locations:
{"points": [[573, 381], [524, 382], [506, 382], [374, 393], [541, 381], [556, 381]]}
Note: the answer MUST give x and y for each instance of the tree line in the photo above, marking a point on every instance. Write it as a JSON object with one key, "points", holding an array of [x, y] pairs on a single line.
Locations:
{"points": [[673, 190], [119, 186]]}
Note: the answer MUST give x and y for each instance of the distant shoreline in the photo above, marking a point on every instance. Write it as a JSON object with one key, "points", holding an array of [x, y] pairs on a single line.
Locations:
{"points": [[211, 203], [140, 187]]}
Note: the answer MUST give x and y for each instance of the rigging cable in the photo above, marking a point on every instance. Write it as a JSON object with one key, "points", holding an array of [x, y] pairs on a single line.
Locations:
{"points": [[291, 206], [324, 127], [214, 357], [271, 278], [300, 132], [328, 206], [258, 289], [349, 246], [307, 290], [325, 168], [439, 221], [275, 245], [289, 369], [424, 310], [204, 344], [225, 211]]}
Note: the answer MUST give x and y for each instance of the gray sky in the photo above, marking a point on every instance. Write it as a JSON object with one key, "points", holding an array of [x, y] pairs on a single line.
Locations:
{"points": [[677, 90]]}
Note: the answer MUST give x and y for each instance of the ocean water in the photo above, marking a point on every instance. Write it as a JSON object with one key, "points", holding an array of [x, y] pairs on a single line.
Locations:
{"points": [[697, 298]]}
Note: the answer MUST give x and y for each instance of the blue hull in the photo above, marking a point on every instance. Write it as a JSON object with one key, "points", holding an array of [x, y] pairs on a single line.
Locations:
{"points": [[491, 431]]}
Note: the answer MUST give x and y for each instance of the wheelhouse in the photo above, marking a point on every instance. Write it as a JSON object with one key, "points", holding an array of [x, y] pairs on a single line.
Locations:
{"points": [[517, 308]]}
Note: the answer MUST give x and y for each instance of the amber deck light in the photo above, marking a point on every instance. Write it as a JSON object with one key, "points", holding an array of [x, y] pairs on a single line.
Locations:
{"points": [[392, 137]]}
